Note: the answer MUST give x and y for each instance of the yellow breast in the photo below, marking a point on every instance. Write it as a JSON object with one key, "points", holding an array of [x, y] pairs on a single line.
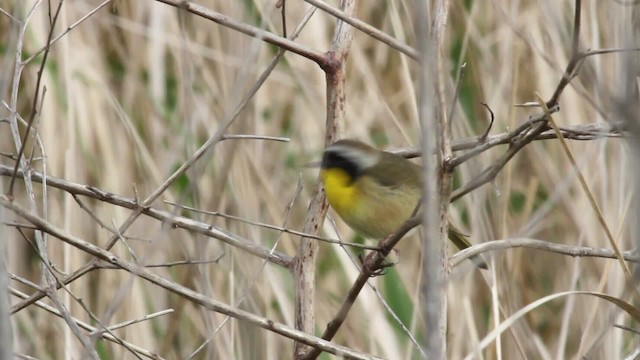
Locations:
{"points": [[340, 190], [370, 209]]}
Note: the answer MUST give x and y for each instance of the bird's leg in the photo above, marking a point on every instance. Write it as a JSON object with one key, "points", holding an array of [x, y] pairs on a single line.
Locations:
{"points": [[379, 270]]}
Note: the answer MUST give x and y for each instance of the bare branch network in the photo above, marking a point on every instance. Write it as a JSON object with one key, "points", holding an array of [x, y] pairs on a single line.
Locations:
{"points": [[28, 121]]}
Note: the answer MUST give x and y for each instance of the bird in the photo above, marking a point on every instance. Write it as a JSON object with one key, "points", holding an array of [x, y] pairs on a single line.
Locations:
{"points": [[374, 191]]}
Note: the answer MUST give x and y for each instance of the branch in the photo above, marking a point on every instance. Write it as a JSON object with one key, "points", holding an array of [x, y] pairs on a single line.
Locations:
{"points": [[92, 329], [476, 144], [245, 293], [575, 62], [169, 218], [581, 132], [536, 244], [304, 264], [517, 139], [366, 28], [20, 162], [437, 177], [166, 217], [274, 227], [195, 297], [34, 104], [67, 30], [490, 173], [281, 42], [37, 295], [371, 266]]}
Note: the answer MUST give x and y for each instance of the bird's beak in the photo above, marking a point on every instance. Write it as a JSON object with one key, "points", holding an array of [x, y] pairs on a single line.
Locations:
{"points": [[313, 164]]}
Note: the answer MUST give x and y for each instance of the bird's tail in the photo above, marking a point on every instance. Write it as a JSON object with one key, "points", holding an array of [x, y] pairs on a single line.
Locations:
{"points": [[461, 242]]}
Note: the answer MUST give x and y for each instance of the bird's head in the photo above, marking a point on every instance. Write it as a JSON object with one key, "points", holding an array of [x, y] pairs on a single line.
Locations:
{"points": [[350, 156]]}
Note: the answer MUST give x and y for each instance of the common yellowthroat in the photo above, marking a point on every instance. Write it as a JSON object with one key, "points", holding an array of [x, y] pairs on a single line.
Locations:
{"points": [[375, 191]]}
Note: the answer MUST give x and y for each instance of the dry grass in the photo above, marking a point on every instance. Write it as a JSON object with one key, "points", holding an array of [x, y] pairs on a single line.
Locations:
{"points": [[137, 88]]}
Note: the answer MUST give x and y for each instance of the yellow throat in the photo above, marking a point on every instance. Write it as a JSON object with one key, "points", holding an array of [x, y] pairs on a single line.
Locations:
{"points": [[340, 190]]}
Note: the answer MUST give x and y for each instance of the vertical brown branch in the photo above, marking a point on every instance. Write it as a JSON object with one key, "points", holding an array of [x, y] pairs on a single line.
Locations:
{"points": [[443, 138], [437, 184], [304, 267], [304, 262]]}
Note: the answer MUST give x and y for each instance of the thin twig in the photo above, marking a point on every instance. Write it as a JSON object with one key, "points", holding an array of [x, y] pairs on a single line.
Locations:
{"points": [[484, 135], [256, 275], [93, 216], [18, 225], [576, 58], [67, 30], [366, 28], [55, 299], [536, 244], [282, 4], [89, 328], [371, 265], [528, 131], [169, 218], [490, 173], [255, 137], [5, 13], [274, 227], [40, 294], [48, 274], [279, 41], [175, 221], [185, 262], [138, 320], [577, 132], [456, 93], [66, 315], [34, 104]]}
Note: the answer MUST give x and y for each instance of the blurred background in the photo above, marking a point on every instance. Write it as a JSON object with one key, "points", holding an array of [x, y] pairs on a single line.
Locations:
{"points": [[135, 89]]}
